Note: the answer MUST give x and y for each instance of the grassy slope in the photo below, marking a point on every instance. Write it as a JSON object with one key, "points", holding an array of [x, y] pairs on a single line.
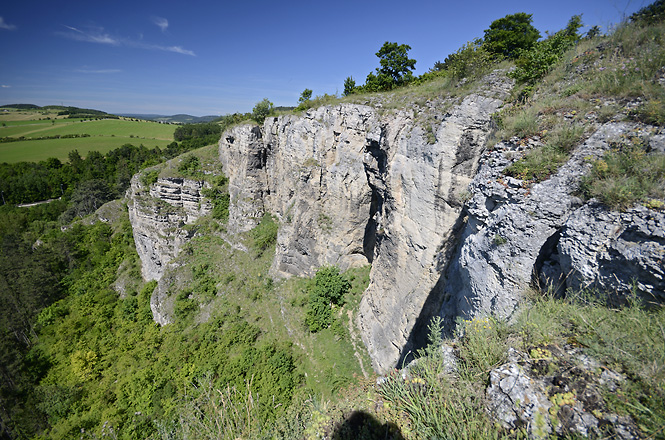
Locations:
{"points": [[105, 135]]}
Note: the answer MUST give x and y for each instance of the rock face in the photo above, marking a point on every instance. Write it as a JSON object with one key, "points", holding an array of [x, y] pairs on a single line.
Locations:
{"points": [[559, 390], [619, 253], [158, 214], [516, 235], [309, 172], [351, 185]]}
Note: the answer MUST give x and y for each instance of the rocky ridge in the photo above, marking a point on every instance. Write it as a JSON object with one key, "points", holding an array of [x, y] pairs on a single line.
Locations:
{"points": [[353, 185], [517, 234], [158, 214], [418, 194]]}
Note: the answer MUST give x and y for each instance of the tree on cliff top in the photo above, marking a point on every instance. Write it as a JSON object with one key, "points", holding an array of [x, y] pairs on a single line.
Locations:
{"points": [[396, 68], [507, 35], [262, 110]]}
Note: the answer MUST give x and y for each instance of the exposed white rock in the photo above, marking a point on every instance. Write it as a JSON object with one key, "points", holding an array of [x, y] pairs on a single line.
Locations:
{"points": [[158, 214], [350, 185]]}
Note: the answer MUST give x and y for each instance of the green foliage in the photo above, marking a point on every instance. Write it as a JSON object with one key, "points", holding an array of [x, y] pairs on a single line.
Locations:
{"points": [[653, 13], [626, 175], [265, 234], [262, 110], [87, 198], [540, 163], [190, 166], [538, 60], [209, 130], [149, 177], [395, 71], [349, 86], [306, 95], [471, 60], [395, 62], [218, 194], [509, 35], [327, 288]]}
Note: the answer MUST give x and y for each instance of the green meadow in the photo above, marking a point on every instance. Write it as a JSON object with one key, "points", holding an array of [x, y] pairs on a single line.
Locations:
{"points": [[102, 135]]}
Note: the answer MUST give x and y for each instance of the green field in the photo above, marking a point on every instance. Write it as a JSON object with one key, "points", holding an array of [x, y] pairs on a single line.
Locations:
{"points": [[105, 135]]}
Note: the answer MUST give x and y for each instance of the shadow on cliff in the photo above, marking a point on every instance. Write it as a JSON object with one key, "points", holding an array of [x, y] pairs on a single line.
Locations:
{"points": [[418, 338], [361, 425]]}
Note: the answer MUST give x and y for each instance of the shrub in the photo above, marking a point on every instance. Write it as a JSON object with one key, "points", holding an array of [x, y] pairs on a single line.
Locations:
{"points": [[327, 288], [262, 110], [626, 175], [149, 177], [471, 60], [265, 234], [189, 166], [536, 62], [219, 197]]}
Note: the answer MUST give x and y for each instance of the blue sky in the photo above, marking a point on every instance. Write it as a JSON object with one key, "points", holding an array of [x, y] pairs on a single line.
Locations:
{"points": [[219, 57]]}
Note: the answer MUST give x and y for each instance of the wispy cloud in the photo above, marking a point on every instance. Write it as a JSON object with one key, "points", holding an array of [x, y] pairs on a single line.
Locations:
{"points": [[5, 86], [97, 35], [6, 26], [178, 49], [161, 22], [90, 36]]}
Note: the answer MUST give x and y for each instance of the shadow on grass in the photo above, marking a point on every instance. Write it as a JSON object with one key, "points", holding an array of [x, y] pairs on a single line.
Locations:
{"points": [[361, 425]]}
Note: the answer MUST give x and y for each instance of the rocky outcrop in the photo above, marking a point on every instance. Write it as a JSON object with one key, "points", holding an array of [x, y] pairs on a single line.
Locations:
{"points": [[354, 185], [516, 234], [556, 390], [158, 215], [309, 172], [617, 253]]}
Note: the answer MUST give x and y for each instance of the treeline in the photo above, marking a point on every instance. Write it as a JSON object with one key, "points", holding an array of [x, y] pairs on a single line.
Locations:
{"points": [[512, 37], [41, 138]]}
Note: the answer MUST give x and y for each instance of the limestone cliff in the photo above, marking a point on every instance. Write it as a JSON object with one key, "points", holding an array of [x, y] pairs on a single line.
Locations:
{"points": [[517, 234], [351, 184], [158, 214]]}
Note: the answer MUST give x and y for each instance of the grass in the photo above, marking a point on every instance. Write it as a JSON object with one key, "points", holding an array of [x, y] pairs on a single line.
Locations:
{"points": [[627, 175], [590, 86], [105, 135]]}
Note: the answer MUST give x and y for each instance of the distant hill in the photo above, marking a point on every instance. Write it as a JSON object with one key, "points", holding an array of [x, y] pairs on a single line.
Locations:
{"points": [[69, 111], [174, 119]]}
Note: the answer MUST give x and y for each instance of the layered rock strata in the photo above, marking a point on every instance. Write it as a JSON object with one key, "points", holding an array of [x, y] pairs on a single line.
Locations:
{"points": [[352, 185], [517, 234], [158, 215]]}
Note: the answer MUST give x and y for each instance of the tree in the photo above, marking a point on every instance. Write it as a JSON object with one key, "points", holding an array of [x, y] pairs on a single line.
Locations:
{"points": [[510, 34], [349, 86], [395, 62], [262, 110], [305, 96], [572, 28]]}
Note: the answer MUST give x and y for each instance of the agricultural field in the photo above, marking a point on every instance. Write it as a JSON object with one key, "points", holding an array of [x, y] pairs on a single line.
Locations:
{"points": [[100, 135]]}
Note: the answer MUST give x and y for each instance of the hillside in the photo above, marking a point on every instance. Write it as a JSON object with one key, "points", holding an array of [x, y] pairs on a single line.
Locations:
{"points": [[31, 133], [474, 253]]}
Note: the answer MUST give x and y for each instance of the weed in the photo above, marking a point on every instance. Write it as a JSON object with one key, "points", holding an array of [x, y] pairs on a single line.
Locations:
{"points": [[626, 175]]}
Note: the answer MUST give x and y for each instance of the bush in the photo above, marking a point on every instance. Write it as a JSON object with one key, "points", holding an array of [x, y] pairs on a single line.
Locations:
{"points": [[262, 110], [189, 166], [327, 288], [149, 177], [471, 60], [626, 175], [535, 63], [219, 197], [265, 234]]}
